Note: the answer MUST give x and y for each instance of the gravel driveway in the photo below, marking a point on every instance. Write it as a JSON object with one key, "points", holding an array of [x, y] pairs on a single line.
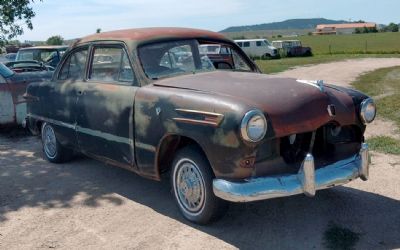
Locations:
{"points": [[89, 205]]}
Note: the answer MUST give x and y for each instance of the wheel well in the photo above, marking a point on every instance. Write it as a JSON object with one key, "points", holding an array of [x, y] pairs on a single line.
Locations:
{"points": [[168, 148]]}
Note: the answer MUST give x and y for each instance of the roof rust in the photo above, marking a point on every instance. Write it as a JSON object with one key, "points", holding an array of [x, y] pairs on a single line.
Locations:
{"points": [[147, 34]]}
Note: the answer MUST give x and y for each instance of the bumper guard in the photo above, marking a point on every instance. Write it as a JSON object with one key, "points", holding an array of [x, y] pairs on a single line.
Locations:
{"points": [[306, 181]]}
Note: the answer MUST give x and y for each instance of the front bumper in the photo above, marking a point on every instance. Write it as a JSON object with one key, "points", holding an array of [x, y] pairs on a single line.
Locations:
{"points": [[306, 181]]}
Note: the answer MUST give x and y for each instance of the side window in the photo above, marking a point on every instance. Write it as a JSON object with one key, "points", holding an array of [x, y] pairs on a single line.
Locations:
{"points": [[111, 64], [240, 63], [74, 66], [246, 44], [240, 44], [258, 43]]}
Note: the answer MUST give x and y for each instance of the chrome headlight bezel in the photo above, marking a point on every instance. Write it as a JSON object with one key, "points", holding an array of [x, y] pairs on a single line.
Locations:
{"points": [[244, 126], [363, 109]]}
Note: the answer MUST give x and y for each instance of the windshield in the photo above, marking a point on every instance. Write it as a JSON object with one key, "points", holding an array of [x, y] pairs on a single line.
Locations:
{"points": [[173, 58], [267, 43], [5, 72], [42, 55]]}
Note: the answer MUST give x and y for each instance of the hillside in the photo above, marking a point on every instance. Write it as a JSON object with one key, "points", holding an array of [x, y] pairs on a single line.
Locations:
{"points": [[288, 24]]}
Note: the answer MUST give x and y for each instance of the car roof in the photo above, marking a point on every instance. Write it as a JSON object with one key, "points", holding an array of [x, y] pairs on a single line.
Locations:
{"points": [[142, 35]]}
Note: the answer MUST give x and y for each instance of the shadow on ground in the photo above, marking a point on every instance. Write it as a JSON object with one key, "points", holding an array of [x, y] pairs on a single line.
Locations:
{"points": [[26, 180]]}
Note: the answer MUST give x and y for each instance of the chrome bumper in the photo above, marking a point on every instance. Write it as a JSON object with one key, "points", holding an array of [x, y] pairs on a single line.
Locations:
{"points": [[306, 181]]}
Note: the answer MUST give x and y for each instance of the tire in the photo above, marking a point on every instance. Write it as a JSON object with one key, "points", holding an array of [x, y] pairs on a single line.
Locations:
{"points": [[53, 151], [191, 165], [266, 57]]}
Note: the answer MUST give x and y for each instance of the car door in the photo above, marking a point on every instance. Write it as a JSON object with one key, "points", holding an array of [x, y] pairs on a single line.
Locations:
{"points": [[60, 96], [6, 103], [105, 104]]}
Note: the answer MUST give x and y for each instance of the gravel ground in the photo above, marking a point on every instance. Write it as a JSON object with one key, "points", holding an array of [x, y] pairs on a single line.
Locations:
{"points": [[85, 204]]}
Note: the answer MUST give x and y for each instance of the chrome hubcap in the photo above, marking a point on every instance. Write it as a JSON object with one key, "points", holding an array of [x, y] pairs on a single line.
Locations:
{"points": [[189, 186], [49, 141]]}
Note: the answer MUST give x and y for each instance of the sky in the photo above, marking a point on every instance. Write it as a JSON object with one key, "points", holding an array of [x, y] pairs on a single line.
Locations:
{"points": [[77, 18]]}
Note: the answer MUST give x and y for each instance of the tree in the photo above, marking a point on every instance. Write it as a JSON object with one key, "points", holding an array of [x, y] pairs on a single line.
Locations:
{"points": [[55, 40], [98, 30], [392, 27], [13, 15]]}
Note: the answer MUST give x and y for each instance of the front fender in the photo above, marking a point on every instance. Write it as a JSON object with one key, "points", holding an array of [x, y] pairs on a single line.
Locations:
{"points": [[161, 111]]}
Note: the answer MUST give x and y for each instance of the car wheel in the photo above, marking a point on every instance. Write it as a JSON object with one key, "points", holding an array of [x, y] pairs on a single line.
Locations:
{"points": [[266, 56], [191, 179], [52, 149]]}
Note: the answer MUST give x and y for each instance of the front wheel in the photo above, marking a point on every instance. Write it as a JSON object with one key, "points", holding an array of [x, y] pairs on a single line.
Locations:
{"points": [[191, 179], [52, 149]]}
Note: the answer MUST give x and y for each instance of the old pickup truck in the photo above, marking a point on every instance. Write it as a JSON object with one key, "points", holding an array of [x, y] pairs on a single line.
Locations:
{"points": [[157, 106]]}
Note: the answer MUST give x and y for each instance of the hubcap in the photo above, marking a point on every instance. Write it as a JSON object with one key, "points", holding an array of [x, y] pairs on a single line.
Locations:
{"points": [[49, 141], [189, 186]]}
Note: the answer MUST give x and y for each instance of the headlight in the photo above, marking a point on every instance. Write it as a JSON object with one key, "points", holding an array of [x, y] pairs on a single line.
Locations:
{"points": [[253, 126], [367, 111]]}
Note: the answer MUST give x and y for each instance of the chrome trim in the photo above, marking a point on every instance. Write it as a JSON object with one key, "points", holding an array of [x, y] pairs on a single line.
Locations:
{"points": [[321, 86], [307, 181], [216, 118], [245, 122], [363, 106], [88, 131], [194, 121]]}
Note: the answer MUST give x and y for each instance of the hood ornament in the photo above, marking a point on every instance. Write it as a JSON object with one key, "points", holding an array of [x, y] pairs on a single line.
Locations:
{"points": [[318, 84]]}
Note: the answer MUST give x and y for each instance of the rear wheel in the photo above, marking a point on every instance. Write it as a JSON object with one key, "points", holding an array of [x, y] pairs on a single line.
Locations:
{"points": [[52, 149], [191, 179]]}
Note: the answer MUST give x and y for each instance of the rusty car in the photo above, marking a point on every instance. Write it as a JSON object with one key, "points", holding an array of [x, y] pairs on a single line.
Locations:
{"points": [[50, 55], [13, 82], [222, 136], [292, 48], [219, 55]]}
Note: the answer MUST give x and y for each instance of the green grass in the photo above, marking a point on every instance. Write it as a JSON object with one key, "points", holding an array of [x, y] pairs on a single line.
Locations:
{"points": [[384, 144], [371, 43], [278, 65], [384, 84], [337, 237]]}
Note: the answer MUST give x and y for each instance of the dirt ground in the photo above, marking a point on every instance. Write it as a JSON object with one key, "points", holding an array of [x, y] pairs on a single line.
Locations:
{"points": [[85, 204]]}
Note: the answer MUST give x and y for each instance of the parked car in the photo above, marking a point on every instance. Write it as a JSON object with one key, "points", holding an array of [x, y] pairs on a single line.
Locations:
{"points": [[10, 57], [219, 55], [258, 48], [292, 48], [223, 136], [49, 55], [13, 87]]}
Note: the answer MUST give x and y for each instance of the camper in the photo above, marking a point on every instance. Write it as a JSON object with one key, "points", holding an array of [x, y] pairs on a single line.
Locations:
{"points": [[258, 48]]}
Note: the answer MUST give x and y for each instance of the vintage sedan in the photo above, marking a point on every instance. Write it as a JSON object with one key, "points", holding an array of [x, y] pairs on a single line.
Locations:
{"points": [[13, 82], [223, 135]]}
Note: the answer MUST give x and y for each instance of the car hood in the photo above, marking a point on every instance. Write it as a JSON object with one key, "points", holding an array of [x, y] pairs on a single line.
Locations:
{"points": [[290, 105]]}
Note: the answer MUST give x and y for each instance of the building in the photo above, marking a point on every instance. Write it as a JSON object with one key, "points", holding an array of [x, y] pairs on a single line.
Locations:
{"points": [[344, 28]]}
